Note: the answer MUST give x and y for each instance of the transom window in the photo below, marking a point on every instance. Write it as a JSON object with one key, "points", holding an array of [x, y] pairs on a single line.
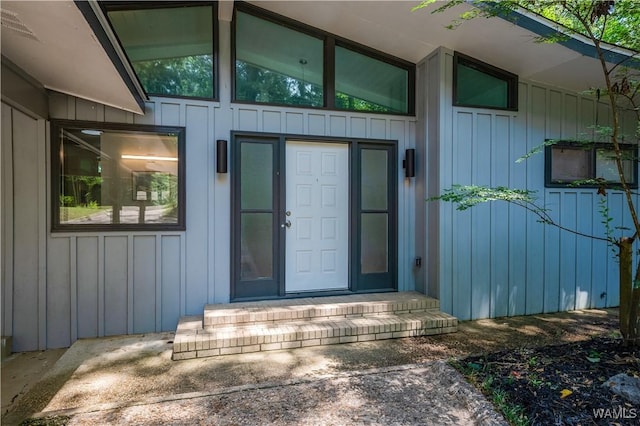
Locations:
{"points": [[571, 163], [281, 62], [480, 85], [117, 177], [169, 45]]}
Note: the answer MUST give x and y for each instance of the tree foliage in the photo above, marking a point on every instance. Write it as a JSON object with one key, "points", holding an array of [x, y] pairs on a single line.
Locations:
{"points": [[621, 23], [185, 76]]}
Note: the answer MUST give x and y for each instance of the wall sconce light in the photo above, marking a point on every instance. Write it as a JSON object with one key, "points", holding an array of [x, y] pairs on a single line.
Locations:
{"points": [[409, 162], [221, 156]]}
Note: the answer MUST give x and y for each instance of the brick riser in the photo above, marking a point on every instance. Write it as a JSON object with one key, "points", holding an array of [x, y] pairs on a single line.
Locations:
{"points": [[293, 326], [340, 306]]}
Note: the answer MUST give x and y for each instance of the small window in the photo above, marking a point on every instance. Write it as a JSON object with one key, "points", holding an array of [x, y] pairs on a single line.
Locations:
{"points": [[117, 177], [481, 85], [171, 47], [382, 88], [588, 165]]}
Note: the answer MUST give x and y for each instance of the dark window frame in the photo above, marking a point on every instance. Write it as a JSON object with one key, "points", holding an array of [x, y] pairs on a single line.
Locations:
{"points": [[592, 148], [55, 174], [330, 42], [510, 78], [108, 6]]}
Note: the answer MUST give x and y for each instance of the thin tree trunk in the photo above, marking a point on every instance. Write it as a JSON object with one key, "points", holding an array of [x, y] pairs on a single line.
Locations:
{"points": [[626, 285]]}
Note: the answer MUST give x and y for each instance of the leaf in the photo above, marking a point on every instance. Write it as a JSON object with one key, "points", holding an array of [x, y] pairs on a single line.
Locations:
{"points": [[474, 366], [593, 359], [565, 393]]}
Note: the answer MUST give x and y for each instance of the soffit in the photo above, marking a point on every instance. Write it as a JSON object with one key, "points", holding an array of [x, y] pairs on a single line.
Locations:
{"points": [[392, 27], [62, 52]]}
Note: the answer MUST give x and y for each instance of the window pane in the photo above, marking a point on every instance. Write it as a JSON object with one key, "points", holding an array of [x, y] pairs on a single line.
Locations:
{"points": [[256, 246], [171, 49], [118, 177], [374, 179], [256, 178], [570, 164], [375, 243], [367, 84], [606, 165], [477, 88], [275, 64]]}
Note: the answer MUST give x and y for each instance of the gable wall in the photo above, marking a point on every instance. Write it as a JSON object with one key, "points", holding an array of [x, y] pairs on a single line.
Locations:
{"points": [[495, 259]]}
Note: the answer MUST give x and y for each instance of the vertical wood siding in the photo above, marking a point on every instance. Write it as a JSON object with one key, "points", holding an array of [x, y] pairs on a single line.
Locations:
{"points": [[102, 284], [23, 215], [497, 259]]}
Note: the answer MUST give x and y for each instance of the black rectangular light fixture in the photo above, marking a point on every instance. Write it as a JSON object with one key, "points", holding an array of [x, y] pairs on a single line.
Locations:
{"points": [[409, 162], [221, 156]]}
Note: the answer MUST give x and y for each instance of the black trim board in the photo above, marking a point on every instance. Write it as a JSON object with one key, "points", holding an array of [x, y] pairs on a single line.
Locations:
{"points": [[91, 18]]}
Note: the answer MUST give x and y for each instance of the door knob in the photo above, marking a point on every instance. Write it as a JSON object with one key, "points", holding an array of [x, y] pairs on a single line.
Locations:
{"points": [[288, 213], [287, 224]]}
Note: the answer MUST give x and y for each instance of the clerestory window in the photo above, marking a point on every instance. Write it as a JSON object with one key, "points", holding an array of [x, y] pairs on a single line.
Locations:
{"points": [[480, 85], [282, 62], [170, 45]]}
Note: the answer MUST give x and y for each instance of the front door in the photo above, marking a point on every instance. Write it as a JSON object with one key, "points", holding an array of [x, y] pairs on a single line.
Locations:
{"points": [[312, 216], [317, 216]]}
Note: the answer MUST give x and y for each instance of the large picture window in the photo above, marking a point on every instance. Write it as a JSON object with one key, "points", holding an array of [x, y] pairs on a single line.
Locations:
{"points": [[480, 85], [169, 45], [570, 163], [117, 177], [282, 62]]}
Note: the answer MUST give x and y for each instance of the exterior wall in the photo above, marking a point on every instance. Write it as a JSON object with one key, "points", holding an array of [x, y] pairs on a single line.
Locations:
{"points": [[495, 259], [58, 287], [106, 283], [23, 228]]}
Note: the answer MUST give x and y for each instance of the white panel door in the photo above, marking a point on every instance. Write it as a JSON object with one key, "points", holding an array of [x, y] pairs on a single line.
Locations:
{"points": [[317, 202]]}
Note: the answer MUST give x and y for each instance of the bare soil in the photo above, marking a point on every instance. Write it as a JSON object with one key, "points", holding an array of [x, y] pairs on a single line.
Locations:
{"points": [[531, 362], [559, 384]]}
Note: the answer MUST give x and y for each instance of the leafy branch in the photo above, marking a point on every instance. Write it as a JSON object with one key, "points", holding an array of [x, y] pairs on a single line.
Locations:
{"points": [[467, 196]]}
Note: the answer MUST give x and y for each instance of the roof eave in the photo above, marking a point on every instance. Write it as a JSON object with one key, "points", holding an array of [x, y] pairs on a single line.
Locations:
{"points": [[98, 22]]}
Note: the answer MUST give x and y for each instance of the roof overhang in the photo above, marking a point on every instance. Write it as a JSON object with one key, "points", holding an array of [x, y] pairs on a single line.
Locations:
{"points": [[68, 45], [392, 27], [64, 46]]}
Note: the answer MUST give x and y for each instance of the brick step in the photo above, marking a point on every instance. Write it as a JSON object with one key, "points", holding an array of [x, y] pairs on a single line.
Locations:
{"points": [[318, 307], [193, 341]]}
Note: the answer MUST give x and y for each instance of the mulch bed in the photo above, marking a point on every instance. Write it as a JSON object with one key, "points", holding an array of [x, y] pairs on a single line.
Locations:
{"points": [[536, 379]]}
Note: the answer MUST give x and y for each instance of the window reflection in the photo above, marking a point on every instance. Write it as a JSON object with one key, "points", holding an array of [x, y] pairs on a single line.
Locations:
{"points": [[117, 177]]}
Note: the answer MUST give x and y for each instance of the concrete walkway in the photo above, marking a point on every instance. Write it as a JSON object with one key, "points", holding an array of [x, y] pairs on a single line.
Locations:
{"points": [[132, 380]]}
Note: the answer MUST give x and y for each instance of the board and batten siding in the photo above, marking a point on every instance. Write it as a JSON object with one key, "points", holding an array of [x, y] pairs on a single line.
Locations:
{"points": [[496, 259], [109, 283], [23, 228]]}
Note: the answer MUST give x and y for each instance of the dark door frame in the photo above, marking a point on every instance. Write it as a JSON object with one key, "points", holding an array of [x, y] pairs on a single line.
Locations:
{"points": [[274, 287]]}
